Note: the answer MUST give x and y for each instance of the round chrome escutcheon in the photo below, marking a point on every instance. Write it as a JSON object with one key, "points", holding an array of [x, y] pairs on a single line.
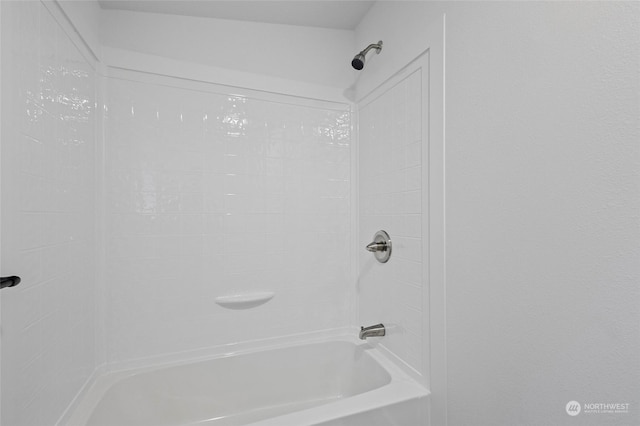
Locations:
{"points": [[381, 246]]}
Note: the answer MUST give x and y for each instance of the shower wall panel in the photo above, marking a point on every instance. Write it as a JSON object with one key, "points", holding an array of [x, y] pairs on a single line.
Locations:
{"points": [[215, 191], [48, 213], [391, 198]]}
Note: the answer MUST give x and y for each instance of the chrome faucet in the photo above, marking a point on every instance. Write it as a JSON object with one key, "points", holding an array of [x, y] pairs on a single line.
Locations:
{"points": [[373, 330]]}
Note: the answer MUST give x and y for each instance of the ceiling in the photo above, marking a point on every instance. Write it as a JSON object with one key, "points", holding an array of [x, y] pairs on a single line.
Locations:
{"points": [[336, 14]]}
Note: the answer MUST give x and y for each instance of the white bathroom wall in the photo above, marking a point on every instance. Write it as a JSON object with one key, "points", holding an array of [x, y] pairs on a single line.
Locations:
{"points": [[48, 159], [216, 191], [391, 198], [84, 17], [317, 56], [542, 200], [261, 214], [542, 154]]}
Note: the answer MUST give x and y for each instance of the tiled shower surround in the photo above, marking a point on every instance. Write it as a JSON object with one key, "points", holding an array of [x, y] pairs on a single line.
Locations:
{"points": [[215, 191], [126, 227], [390, 192], [48, 214]]}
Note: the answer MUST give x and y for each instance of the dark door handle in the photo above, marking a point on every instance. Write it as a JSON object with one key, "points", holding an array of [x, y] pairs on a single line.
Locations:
{"points": [[9, 281]]}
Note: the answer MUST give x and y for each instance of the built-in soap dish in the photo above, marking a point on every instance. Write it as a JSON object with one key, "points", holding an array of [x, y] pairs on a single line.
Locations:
{"points": [[244, 300]]}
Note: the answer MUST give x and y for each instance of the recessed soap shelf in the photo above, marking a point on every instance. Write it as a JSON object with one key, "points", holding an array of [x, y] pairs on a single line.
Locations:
{"points": [[245, 300]]}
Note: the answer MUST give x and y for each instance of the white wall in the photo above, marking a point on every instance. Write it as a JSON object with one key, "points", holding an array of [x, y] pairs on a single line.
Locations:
{"points": [[84, 17], [254, 208], [542, 198], [542, 154], [48, 158], [216, 191], [390, 152], [304, 54]]}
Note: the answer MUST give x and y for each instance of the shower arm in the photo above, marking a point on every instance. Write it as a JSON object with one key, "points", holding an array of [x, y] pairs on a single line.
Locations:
{"points": [[377, 46]]}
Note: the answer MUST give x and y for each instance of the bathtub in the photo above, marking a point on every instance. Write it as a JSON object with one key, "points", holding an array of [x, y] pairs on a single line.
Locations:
{"points": [[340, 382]]}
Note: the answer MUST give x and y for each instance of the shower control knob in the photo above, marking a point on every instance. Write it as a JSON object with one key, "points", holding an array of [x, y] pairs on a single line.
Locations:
{"points": [[373, 247], [380, 247]]}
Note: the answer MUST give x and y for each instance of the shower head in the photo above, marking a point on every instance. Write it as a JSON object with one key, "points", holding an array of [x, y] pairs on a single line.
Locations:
{"points": [[358, 60]]}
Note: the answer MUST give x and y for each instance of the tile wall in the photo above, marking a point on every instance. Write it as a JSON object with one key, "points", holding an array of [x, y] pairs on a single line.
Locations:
{"points": [[213, 193], [208, 191], [391, 198], [48, 210]]}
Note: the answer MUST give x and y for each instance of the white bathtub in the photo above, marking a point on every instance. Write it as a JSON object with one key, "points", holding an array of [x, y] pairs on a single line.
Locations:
{"points": [[335, 383]]}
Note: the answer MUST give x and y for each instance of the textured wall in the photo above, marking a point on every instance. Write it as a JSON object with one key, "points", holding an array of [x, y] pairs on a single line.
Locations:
{"points": [[212, 194], [542, 155], [48, 207], [543, 213]]}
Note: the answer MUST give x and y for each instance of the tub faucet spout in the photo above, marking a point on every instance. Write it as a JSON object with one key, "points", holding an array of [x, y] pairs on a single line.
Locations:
{"points": [[373, 330]]}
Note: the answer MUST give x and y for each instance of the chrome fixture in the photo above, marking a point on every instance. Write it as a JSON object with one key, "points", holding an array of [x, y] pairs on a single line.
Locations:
{"points": [[373, 330], [358, 60], [381, 246]]}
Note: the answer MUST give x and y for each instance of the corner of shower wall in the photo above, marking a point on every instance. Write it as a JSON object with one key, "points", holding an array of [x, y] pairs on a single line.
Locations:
{"points": [[49, 206], [84, 18], [100, 228], [354, 314]]}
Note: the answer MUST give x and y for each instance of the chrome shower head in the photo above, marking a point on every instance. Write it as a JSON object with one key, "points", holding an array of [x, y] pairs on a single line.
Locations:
{"points": [[358, 60]]}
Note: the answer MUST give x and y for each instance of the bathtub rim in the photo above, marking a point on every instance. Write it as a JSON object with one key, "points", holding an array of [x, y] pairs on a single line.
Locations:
{"points": [[401, 387], [99, 375]]}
